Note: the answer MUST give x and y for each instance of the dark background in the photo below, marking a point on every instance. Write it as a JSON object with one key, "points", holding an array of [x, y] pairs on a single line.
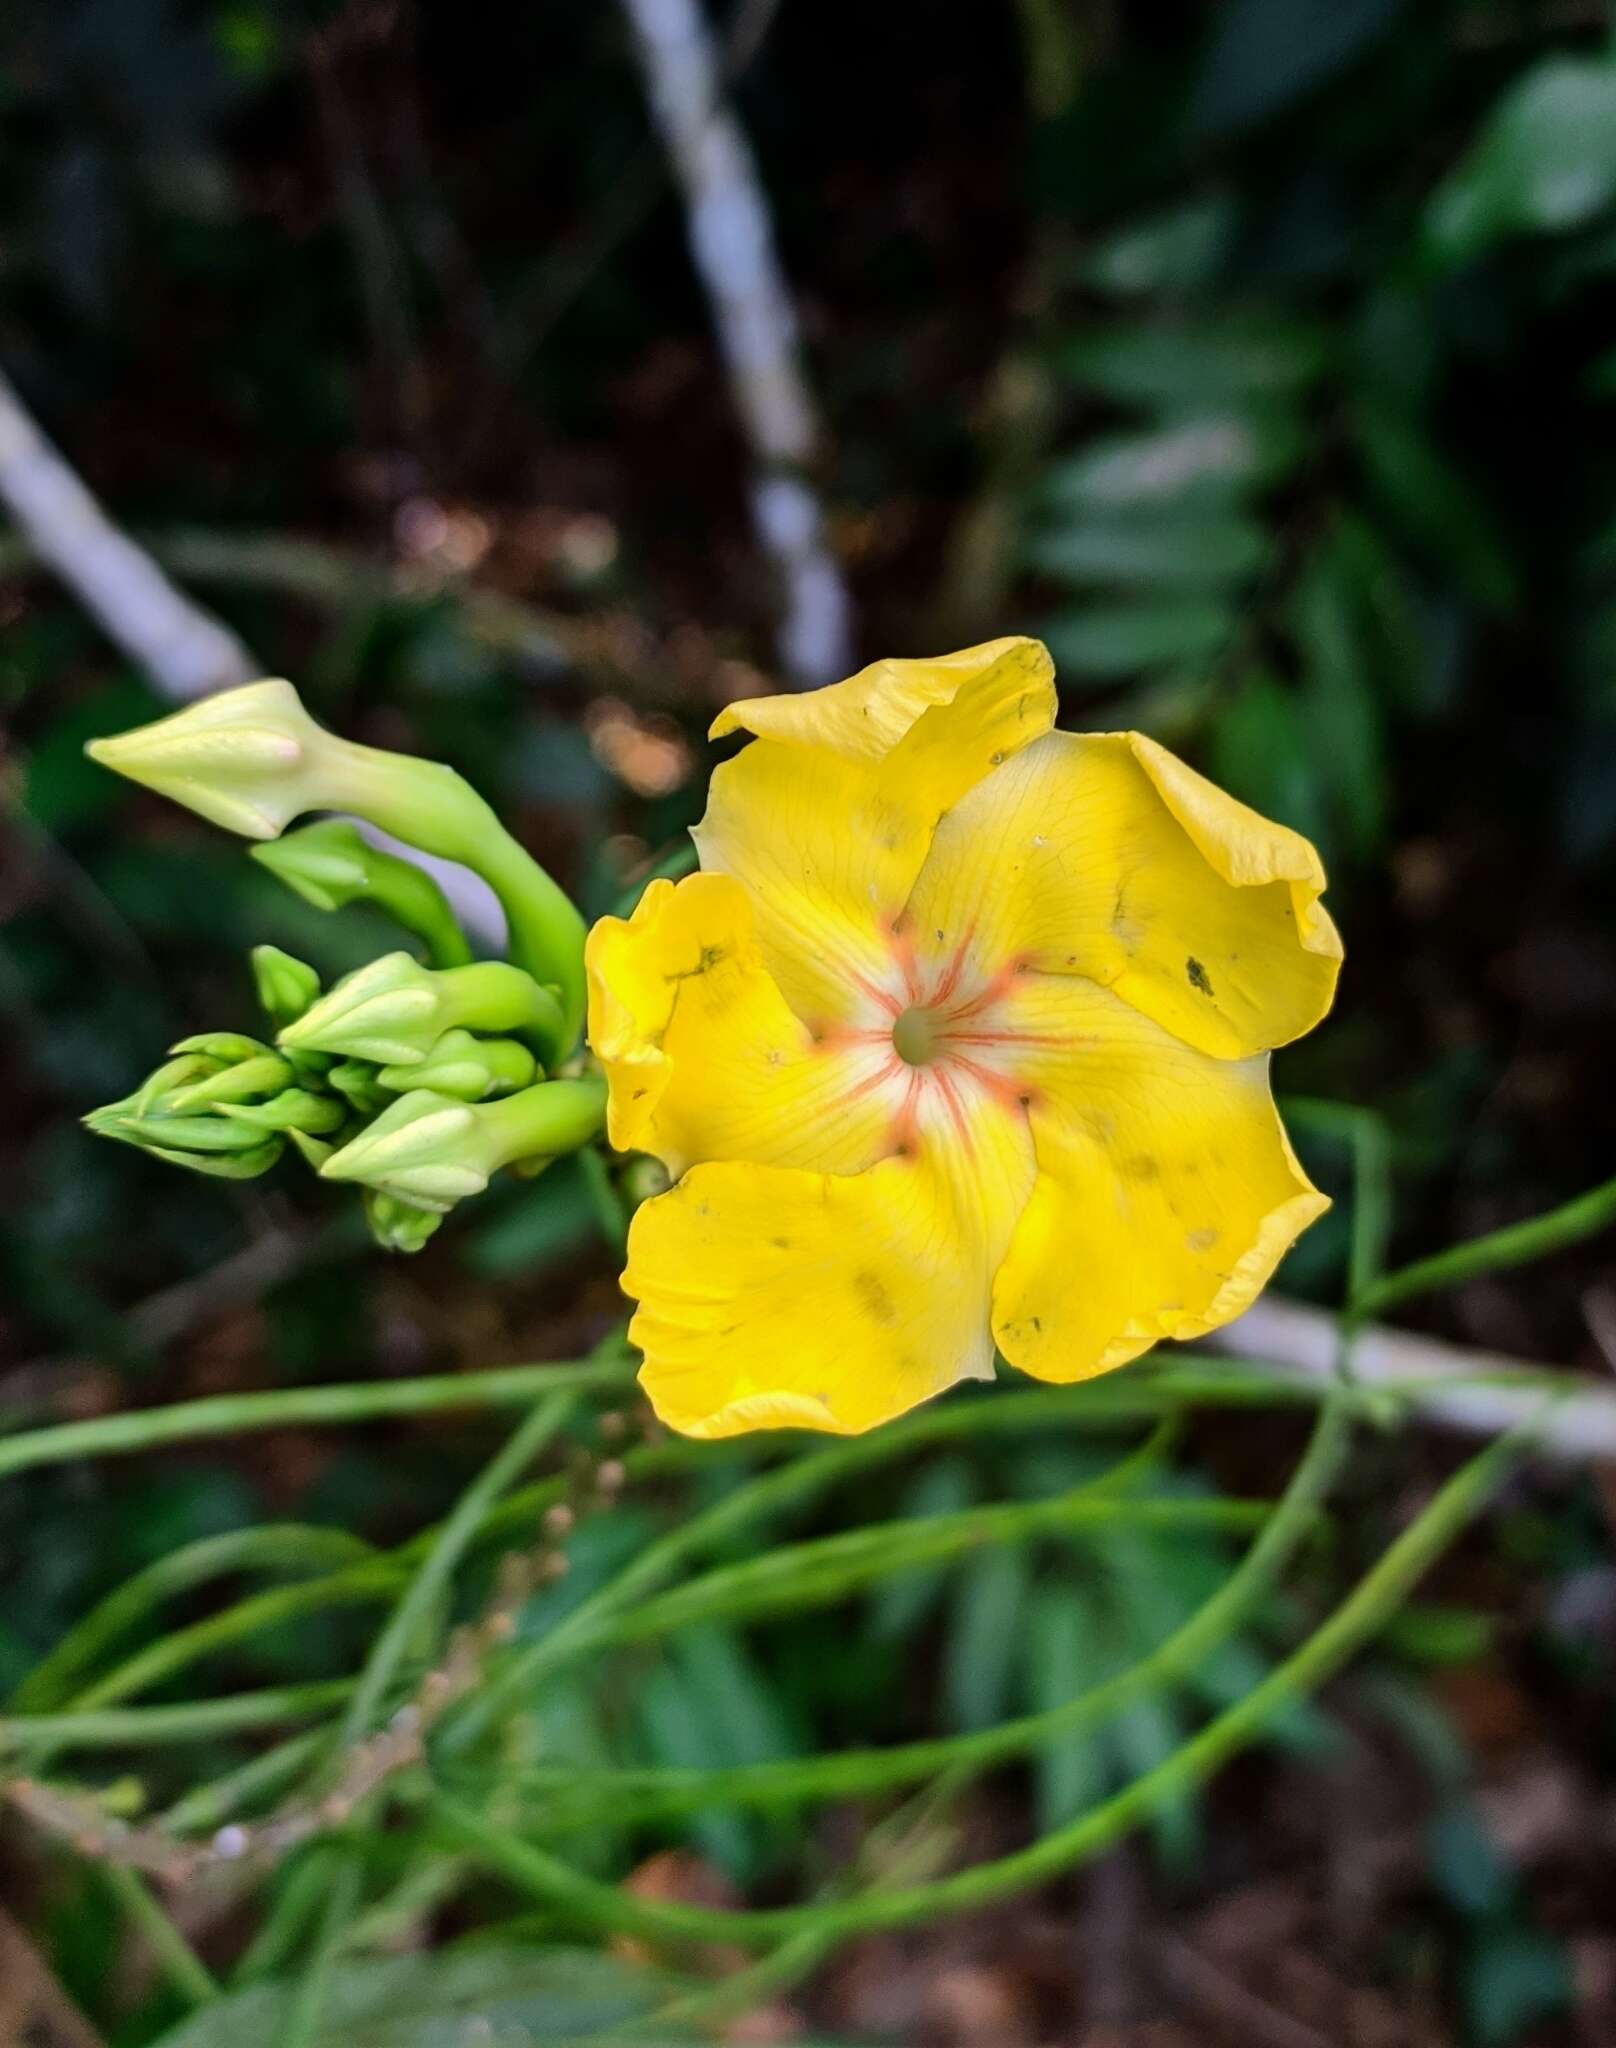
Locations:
{"points": [[409, 284]]}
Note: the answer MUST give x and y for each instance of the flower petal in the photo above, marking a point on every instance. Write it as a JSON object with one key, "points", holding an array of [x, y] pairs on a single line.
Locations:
{"points": [[773, 1299], [1167, 1189], [1102, 855], [703, 1059], [827, 816]]}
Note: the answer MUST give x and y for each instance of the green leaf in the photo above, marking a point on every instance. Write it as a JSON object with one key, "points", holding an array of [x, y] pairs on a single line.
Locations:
{"points": [[1514, 1977], [515, 1997], [1465, 1865], [1063, 1633], [1262, 753], [1177, 251], [984, 1628], [1118, 640], [1436, 507], [902, 1602], [1209, 458], [1266, 55], [1199, 363], [1545, 161], [1338, 695], [1167, 549], [705, 1707]]}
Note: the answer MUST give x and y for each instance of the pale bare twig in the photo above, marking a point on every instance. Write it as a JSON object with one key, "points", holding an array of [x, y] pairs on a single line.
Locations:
{"points": [[732, 245], [184, 649]]}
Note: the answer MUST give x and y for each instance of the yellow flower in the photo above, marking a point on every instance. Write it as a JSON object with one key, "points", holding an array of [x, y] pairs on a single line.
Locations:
{"points": [[959, 1040]]}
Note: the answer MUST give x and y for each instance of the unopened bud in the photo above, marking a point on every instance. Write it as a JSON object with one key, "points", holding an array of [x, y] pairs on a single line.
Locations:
{"points": [[397, 1225], [468, 1068], [395, 1010], [249, 759], [286, 987]]}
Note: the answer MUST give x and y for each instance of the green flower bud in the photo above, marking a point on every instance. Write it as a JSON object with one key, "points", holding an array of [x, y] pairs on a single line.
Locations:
{"points": [[356, 1082], [398, 1226], [217, 1145], [435, 1152], [286, 987], [395, 1010], [332, 864], [264, 1075], [294, 1109], [250, 760], [470, 1069]]}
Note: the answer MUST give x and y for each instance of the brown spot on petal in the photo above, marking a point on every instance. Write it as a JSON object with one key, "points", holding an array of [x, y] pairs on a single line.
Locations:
{"points": [[873, 1296]]}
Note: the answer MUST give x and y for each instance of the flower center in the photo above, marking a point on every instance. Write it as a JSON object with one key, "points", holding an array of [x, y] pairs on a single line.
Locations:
{"points": [[915, 1034]]}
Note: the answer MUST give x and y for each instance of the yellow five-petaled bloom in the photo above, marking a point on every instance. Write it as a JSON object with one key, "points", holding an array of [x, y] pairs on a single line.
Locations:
{"points": [[959, 1039]]}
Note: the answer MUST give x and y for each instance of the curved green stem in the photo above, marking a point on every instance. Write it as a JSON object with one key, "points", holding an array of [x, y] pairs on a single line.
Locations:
{"points": [[570, 1800], [1377, 1596], [1515, 1245], [187, 1721], [429, 806], [230, 1414]]}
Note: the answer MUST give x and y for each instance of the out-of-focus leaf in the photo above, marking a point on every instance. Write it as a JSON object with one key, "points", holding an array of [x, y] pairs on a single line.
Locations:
{"points": [[1166, 549], [985, 1621], [1181, 250], [1265, 55], [1513, 1977], [705, 1706], [1063, 1631], [1146, 1735], [1436, 508], [1339, 701], [900, 1603], [1465, 1864], [536, 1224], [1118, 640], [513, 1997], [1207, 459], [1544, 162], [1198, 363]]}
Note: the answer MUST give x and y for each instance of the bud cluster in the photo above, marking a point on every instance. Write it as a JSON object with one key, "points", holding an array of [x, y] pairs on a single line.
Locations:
{"points": [[415, 1082]]}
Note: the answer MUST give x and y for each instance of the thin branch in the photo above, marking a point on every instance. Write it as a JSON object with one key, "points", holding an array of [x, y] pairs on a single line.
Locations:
{"points": [[1482, 1393], [185, 650], [732, 245]]}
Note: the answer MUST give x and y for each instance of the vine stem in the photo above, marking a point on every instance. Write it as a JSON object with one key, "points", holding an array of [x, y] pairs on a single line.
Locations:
{"points": [[849, 1774], [511, 1386], [1515, 1245], [1376, 1597]]}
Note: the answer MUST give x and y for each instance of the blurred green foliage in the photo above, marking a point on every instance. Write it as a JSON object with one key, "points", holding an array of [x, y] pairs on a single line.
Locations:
{"points": [[1304, 309]]}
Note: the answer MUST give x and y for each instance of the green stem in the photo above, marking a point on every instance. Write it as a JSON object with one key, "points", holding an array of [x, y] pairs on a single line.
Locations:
{"points": [[828, 1569], [1377, 1596], [187, 1721], [287, 1547], [230, 1414], [331, 865], [180, 1963], [342, 1902], [1516, 1245], [438, 1566], [569, 1800], [208, 1806], [543, 1122], [430, 807]]}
